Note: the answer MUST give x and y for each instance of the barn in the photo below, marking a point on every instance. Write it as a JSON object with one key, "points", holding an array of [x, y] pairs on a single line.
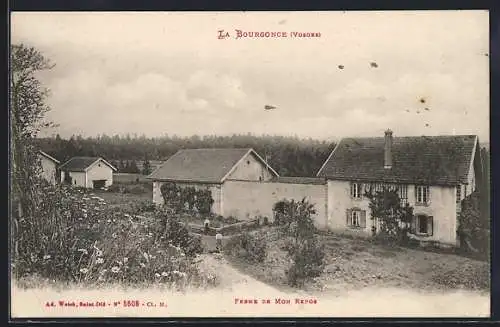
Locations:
{"points": [[242, 184], [88, 172]]}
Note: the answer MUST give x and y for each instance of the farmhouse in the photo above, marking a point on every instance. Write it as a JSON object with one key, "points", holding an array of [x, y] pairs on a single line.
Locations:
{"points": [[49, 167], [88, 172], [432, 173]]}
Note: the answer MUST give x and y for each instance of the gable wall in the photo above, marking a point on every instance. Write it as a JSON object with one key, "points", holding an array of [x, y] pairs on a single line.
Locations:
{"points": [[250, 169], [99, 171], [49, 169]]}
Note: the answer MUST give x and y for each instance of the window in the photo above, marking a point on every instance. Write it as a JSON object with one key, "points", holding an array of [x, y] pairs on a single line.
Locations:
{"points": [[459, 192], [403, 193], [356, 189], [465, 190], [356, 218], [422, 194], [422, 225]]}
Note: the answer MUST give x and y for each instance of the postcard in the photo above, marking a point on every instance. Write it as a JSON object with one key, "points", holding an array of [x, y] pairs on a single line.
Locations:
{"points": [[250, 164]]}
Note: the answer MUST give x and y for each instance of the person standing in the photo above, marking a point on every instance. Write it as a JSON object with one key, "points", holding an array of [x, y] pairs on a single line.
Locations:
{"points": [[206, 224], [218, 241]]}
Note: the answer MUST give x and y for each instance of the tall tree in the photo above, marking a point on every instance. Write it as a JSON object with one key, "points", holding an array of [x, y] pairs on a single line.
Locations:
{"points": [[27, 114], [146, 166]]}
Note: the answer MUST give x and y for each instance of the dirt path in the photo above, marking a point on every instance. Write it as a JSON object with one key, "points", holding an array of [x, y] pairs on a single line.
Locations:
{"points": [[231, 278]]}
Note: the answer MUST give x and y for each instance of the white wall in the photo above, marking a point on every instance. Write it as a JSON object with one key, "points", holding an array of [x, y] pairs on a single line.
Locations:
{"points": [[215, 189], [246, 200], [250, 169], [49, 170], [77, 178], [99, 171], [442, 207]]}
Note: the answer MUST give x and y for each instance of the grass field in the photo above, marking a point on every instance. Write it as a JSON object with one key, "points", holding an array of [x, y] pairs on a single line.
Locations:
{"points": [[358, 263]]}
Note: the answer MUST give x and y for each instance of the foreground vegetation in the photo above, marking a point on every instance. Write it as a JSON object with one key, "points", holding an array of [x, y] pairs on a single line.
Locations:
{"points": [[355, 263]]}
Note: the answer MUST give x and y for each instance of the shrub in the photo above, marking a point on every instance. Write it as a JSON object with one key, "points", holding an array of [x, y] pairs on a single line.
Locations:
{"points": [[248, 246], [308, 261], [301, 244]]}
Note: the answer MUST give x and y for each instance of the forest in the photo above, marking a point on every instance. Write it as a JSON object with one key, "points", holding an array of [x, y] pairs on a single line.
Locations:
{"points": [[289, 156]]}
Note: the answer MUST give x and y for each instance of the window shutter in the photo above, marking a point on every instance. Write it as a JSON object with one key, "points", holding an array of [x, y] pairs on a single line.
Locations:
{"points": [[348, 217], [416, 194], [428, 194], [352, 189], [413, 228], [430, 225], [363, 219]]}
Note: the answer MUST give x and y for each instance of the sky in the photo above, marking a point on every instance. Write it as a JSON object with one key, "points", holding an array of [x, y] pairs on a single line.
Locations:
{"points": [[157, 73]]}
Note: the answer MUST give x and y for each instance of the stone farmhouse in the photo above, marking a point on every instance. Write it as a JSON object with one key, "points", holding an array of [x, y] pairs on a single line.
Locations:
{"points": [[432, 173], [88, 172]]}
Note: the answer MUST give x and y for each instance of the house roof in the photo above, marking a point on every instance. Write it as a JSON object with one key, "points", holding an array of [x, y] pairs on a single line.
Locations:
{"points": [[202, 165], [81, 164], [435, 160], [300, 180], [46, 155]]}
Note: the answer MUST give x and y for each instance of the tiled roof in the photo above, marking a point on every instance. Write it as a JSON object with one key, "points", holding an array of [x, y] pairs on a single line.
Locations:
{"points": [[300, 180], [438, 160], [81, 163], [200, 165]]}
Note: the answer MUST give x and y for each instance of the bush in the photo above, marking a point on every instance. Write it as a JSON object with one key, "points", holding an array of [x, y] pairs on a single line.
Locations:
{"points": [[80, 239], [308, 261], [247, 246], [304, 250]]}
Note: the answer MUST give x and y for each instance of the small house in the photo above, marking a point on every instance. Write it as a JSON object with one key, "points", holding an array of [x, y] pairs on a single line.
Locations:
{"points": [[88, 172]]}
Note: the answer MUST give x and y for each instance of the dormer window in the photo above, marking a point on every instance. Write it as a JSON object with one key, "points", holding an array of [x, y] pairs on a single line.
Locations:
{"points": [[422, 194], [356, 189]]}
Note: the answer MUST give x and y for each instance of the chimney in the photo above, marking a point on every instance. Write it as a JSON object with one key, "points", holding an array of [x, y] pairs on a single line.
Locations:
{"points": [[388, 149]]}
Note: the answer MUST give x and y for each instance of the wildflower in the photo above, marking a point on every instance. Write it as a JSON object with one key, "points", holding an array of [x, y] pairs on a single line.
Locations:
{"points": [[109, 220], [84, 210], [146, 256], [125, 260], [46, 257], [100, 260], [84, 270], [115, 269], [84, 251], [142, 265], [119, 262], [157, 275], [164, 274], [114, 235], [103, 271], [98, 253]]}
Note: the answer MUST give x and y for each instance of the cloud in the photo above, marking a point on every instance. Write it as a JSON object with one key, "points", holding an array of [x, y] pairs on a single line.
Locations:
{"points": [[173, 76]]}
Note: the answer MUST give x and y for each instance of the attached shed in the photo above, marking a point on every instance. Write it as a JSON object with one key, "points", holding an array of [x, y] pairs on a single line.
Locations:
{"points": [[88, 172]]}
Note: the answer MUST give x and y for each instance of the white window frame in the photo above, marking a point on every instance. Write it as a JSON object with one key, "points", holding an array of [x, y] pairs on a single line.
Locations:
{"points": [[420, 190], [417, 225], [356, 190], [355, 218]]}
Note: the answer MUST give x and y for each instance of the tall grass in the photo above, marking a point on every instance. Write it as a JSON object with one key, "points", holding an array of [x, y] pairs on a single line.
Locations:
{"points": [[76, 237]]}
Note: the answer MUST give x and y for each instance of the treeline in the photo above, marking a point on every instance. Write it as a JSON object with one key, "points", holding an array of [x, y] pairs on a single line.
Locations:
{"points": [[290, 156]]}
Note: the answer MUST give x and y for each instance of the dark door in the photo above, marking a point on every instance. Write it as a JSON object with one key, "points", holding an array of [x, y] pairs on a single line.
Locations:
{"points": [[101, 183]]}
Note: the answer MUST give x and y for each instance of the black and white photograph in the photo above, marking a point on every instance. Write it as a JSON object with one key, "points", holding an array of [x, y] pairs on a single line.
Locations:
{"points": [[250, 164]]}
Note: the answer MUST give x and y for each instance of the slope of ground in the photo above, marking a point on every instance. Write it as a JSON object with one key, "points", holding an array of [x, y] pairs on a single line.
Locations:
{"points": [[352, 264]]}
